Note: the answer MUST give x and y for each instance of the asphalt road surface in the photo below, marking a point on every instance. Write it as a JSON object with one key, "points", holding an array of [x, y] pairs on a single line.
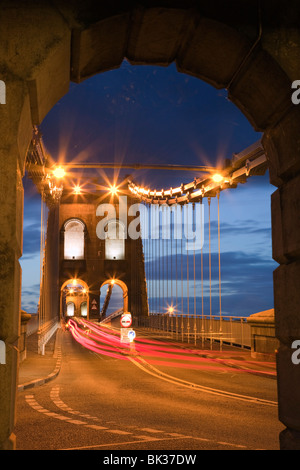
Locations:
{"points": [[169, 401]]}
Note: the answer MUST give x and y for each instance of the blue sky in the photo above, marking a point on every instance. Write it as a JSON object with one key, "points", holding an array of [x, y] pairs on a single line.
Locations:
{"points": [[153, 114]]}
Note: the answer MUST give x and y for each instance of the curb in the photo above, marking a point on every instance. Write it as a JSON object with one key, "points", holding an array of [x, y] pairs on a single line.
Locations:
{"points": [[45, 380]]}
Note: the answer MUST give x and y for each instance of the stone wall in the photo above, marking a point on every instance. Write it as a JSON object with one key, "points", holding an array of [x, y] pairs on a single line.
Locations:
{"points": [[253, 53]]}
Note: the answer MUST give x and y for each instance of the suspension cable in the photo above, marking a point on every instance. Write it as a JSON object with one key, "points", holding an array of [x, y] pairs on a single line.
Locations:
{"points": [[159, 267], [202, 276], [152, 265], [188, 273], [220, 287], [167, 261], [181, 261], [195, 302], [163, 262], [176, 270], [156, 273], [210, 294], [171, 274]]}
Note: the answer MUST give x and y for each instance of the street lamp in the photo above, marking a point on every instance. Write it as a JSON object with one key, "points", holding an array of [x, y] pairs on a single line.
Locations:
{"points": [[77, 190], [59, 173], [217, 178], [113, 190]]}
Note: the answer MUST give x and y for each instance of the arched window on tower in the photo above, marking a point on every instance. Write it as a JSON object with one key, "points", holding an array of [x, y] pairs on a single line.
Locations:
{"points": [[83, 309], [70, 309], [74, 239], [114, 240]]}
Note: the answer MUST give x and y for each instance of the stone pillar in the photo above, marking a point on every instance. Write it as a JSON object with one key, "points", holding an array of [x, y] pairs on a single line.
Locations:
{"points": [[263, 342], [282, 146], [15, 134], [22, 345]]}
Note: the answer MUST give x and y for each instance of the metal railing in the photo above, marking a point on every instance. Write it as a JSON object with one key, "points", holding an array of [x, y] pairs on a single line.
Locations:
{"points": [[33, 325], [113, 315], [229, 330]]}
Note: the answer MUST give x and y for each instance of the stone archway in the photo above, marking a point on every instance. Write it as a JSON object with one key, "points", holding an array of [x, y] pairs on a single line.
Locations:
{"points": [[124, 288], [77, 300], [215, 42]]}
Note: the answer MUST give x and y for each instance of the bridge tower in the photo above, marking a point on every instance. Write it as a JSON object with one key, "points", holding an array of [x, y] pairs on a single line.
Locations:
{"points": [[95, 250]]}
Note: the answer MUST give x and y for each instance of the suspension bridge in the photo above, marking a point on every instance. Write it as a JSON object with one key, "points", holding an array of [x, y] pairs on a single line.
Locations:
{"points": [[162, 281]]}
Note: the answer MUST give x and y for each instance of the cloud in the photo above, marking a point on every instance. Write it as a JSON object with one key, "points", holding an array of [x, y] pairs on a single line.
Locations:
{"points": [[31, 240], [247, 281], [29, 307]]}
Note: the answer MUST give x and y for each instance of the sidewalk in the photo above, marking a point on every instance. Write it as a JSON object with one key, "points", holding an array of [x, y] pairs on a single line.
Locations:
{"points": [[37, 370]]}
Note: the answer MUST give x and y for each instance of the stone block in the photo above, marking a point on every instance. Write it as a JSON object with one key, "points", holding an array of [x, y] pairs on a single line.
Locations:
{"points": [[288, 388], [99, 48], [22, 342], [16, 126], [286, 221], [156, 35], [8, 391], [50, 81], [289, 440], [277, 234], [282, 147], [287, 301], [212, 51], [10, 294], [261, 91], [263, 341], [11, 202]]}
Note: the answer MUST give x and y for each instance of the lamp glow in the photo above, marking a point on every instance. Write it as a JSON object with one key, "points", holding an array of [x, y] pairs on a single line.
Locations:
{"points": [[77, 190], [59, 172], [113, 190], [217, 178]]}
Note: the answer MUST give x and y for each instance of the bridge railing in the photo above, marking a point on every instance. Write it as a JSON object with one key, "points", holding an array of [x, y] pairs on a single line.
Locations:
{"points": [[45, 333], [32, 325], [229, 330], [113, 315]]}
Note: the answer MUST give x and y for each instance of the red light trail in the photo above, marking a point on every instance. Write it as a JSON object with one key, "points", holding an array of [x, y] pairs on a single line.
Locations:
{"points": [[99, 340]]}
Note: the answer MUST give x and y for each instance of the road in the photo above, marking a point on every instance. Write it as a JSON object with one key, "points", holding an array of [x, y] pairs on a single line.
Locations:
{"points": [[174, 400]]}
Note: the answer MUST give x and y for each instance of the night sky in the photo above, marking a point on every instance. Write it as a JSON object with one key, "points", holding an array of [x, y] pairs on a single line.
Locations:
{"points": [[150, 114]]}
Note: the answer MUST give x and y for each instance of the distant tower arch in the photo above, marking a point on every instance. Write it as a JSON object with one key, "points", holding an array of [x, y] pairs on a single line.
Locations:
{"points": [[124, 288], [76, 303]]}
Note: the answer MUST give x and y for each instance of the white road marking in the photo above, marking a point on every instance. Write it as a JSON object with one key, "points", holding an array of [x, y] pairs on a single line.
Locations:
{"points": [[154, 431], [174, 380], [31, 401]]}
